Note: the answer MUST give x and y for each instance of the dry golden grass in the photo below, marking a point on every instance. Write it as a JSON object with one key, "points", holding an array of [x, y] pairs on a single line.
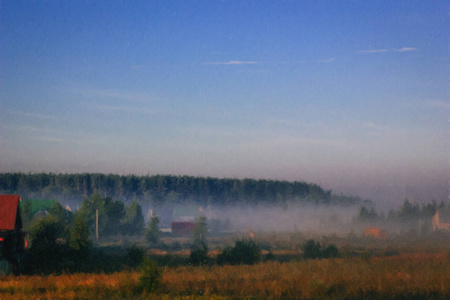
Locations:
{"points": [[340, 278], [414, 275]]}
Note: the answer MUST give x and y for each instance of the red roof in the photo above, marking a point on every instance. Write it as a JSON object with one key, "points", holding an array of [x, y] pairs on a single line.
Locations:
{"points": [[8, 211]]}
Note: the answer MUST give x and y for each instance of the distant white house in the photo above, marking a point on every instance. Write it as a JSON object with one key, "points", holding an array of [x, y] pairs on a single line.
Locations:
{"points": [[441, 220]]}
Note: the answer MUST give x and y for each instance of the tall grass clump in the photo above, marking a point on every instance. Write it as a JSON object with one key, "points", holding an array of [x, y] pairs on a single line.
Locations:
{"points": [[150, 279]]}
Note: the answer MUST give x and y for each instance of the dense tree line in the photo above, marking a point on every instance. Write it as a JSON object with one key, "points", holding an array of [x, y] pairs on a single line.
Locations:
{"points": [[407, 212], [162, 189]]}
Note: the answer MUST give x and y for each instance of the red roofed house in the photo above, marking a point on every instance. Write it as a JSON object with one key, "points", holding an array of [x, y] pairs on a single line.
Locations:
{"points": [[11, 236]]}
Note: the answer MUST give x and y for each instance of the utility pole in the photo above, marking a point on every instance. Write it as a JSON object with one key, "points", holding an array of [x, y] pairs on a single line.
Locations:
{"points": [[96, 224]]}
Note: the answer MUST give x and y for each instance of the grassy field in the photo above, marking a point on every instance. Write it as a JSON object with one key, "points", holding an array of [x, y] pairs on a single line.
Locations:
{"points": [[405, 276]]}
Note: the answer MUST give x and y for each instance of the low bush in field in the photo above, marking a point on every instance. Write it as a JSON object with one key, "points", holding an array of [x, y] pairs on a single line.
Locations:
{"points": [[199, 254], [243, 252], [313, 249], [135, 256]]}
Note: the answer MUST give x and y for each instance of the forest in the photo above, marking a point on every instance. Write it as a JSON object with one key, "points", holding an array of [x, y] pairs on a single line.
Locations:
{"points": [[162, 189]]}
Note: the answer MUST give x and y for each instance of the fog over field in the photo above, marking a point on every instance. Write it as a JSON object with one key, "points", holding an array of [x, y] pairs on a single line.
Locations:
{"points": [[350, 95], [288, 218]]}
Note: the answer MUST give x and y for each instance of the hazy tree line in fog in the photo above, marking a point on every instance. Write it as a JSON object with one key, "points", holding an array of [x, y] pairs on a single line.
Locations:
{"points": [[409, 211], [162, 189]]}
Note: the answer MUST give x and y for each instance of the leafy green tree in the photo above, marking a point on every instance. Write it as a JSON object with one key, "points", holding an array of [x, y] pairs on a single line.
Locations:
{"points": [[133, 223], [200, 230], [79, 235], [26, 213], [46, 254], [409, 211], [115, 211], [44, 234], [367, 215], [153, 233], [199, 247], [88, 211]]}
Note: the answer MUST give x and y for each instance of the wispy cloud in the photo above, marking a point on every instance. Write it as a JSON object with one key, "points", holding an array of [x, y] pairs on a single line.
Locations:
{"points": [[113, 94], [374, 126], [125, 109], [325, 60], [24, 114], [49, 139], [373, 51], [403, 49], [438, 104], [231, 62], [38, 133], [406, 49]]}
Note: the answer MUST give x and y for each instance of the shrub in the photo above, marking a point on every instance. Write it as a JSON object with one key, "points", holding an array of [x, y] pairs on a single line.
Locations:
{"points": [[199, 254], [79, 236], [243, 252], [150, 280], [330, 252], [313, 249], [135, 255]]}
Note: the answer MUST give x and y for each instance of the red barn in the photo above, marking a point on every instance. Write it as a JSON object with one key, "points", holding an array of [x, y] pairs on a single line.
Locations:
{"points": [[182, 228], [11, 236]]}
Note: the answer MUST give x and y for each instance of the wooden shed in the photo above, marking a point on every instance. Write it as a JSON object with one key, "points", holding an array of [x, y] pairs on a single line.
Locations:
{"points": [[182, 228], [11, 235]]}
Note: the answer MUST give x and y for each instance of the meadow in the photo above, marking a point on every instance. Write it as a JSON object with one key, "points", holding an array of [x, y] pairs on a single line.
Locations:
{"points": [[404, 276]]}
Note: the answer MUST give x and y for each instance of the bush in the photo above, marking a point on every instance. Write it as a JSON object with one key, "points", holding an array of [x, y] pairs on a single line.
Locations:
{"points": [[150, 279], [313, 249], [244, 252], [135, 256], [199, 254], [330, 252]]}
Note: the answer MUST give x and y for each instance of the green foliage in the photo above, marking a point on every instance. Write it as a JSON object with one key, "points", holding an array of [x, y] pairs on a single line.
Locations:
{"points": [[245, 251], [44, 234], [330, 252], [313, 249], [89, 206], [199, 247], [164, 188], [200, 231], [79, 235], [199, 254], [150, 280], [26, 213], [153, 234], [368, 215], [133, 222], [46, 253], [135, 256], [115, 211]]}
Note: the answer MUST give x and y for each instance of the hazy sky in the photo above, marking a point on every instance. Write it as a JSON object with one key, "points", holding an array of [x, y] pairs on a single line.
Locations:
{"points": [[352, 95]]}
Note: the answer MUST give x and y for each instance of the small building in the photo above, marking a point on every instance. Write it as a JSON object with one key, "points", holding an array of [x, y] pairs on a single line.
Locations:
{"points": [[441, 220], [182, 228], [11, 235], [375, 233]]}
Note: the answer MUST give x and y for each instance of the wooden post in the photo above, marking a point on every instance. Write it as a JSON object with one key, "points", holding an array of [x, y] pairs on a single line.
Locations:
{"points": [[96, 223]]}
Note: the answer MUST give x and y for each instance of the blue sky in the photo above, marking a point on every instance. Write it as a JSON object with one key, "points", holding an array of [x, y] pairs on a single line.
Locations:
{"points": [[352, 95]]}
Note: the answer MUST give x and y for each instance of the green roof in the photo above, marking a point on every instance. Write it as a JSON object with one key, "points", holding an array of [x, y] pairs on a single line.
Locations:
{"points": [[40, 204]]}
